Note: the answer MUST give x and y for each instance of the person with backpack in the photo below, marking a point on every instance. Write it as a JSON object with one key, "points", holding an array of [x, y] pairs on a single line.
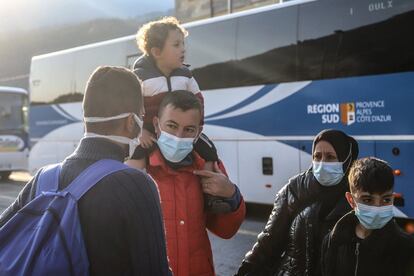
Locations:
{"points": [[91, 214]]}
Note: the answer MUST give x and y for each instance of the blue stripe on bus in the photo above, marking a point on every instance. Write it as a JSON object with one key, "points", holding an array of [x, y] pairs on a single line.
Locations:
{"points": [[290, 116], [44, 118], [66, 113], [260, 93]]}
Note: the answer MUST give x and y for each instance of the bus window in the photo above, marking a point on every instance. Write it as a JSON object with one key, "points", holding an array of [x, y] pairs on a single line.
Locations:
{"points": [[211, 53], [321, 27], [49, 85], [13, 130], [379, 49], [266, 47], [11, 111], [353, 38]]}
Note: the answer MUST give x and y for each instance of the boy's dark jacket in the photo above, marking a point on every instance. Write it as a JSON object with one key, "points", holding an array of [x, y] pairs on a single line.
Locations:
{"points": [[387, 251]]}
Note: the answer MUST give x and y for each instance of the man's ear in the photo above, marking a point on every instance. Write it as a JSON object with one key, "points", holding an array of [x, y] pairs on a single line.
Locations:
{"points": [[350, 200], [130, 124], [156, 124], [155, 52], [200, 130]]}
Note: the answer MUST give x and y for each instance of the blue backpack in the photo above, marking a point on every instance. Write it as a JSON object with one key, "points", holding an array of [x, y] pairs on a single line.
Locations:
{"points": [[45, 237]]}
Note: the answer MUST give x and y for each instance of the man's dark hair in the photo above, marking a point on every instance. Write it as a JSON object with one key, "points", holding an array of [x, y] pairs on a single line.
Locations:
{"points": [[111, 91], [181, 99], [370, 175]]}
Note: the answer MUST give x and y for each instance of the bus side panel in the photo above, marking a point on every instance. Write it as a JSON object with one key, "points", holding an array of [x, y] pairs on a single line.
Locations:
{"points": [[305, 155], [399, 154], [229, 154], [265, 167], [366, 148]]}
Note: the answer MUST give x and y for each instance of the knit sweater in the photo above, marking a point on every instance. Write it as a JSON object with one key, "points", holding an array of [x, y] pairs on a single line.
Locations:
{"points": [[120, 216]]}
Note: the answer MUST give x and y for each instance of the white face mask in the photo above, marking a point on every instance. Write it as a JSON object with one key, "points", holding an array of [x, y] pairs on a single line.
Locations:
{"points": [[132, 143]]}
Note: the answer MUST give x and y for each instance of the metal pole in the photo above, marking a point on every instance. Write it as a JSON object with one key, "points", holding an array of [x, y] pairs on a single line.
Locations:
{"points": [[211, 8], [230, 6]]}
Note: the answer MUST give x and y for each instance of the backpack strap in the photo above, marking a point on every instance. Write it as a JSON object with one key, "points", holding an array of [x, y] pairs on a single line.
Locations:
{"points": [[92, 175], [48, 179]]}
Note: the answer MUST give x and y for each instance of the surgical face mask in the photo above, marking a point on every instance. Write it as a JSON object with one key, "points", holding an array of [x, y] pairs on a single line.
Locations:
{"points": [[373, 217], [132, 143], [174, 148], [330, 173]]}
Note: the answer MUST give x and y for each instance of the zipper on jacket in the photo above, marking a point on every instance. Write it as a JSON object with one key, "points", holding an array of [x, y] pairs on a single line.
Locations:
{"points": [[357, 258], [169, 84]]}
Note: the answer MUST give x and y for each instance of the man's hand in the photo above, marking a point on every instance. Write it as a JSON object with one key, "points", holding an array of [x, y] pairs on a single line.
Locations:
{"points": [[147, 139], [216, 182]]}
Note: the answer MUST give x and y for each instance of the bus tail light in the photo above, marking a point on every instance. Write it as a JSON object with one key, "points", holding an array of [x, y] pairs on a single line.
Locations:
{"points": [[409, 228]]}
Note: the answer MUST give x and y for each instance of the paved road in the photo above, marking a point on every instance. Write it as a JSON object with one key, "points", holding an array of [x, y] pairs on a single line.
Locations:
{"points": [[227, 253], [11, 188]]}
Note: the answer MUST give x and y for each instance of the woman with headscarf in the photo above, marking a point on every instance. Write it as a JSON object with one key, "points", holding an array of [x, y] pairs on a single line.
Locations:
{"points": [[305, 209]]}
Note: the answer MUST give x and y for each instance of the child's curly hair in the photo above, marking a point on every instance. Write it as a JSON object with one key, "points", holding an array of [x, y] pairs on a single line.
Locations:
{"points": [[154, 33]]}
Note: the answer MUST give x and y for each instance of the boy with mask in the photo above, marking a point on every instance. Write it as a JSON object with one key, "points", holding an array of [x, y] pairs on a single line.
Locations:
{"points": [[181, 179], [118, 213], [367, 241]]}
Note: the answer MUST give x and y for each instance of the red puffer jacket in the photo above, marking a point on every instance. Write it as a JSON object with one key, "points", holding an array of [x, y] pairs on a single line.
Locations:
{"points": [[186, 223]]}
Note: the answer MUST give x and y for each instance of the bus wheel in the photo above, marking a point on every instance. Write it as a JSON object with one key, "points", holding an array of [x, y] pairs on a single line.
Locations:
{"points": [[5, 175]]}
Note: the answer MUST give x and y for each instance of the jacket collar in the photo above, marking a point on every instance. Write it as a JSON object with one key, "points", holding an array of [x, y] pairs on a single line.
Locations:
{"points": [[98, 148], [148, 63], [157, 160], [344, 231]]}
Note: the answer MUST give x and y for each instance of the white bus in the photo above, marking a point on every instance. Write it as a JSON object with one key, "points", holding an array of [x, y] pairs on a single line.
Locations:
{"points": [[14, 138], [272, 78]]}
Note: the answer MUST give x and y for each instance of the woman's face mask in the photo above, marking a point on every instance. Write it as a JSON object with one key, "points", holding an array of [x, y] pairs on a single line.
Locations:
{"points": [[329, 173], [132, 143]]}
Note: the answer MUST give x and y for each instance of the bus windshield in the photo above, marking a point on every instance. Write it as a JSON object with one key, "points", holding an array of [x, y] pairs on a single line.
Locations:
{"points": [[13, 111]]}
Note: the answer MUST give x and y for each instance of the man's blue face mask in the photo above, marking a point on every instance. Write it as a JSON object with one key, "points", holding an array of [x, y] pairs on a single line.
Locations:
{"points": [[174, 148]]}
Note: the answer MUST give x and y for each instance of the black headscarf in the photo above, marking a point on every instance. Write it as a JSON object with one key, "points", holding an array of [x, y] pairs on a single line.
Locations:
{"points": [[343, 145]]}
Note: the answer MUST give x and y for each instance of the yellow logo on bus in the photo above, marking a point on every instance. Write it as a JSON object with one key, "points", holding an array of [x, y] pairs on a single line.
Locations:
{"points": [[347, 113]]}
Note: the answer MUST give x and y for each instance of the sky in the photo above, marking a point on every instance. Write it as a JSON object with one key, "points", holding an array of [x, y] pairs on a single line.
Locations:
{"points": [[23, 15]]}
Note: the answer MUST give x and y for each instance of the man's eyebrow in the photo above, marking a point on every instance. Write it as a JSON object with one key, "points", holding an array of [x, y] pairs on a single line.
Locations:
{"points": [[390, 194], [172, 122]]}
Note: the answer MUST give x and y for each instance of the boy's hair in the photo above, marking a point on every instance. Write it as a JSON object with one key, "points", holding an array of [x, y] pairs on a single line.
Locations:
{"points": [[111, 91], [370, 175], [181, 99], [155, 33]]}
